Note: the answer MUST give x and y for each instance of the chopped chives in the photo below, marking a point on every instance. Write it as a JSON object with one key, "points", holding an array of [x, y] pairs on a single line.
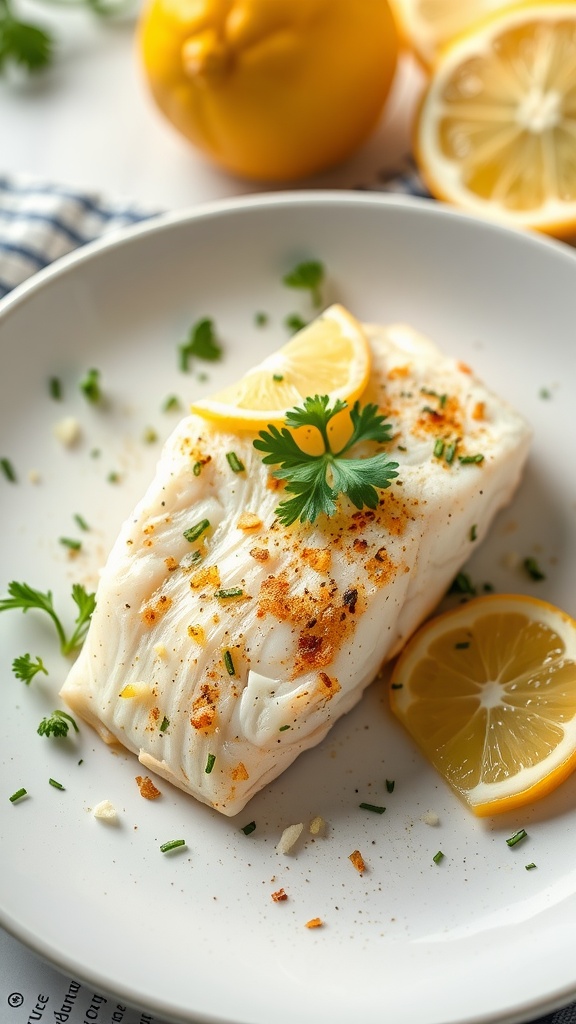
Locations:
{"points": [[113, 477], [81, 522], [196, 531], [530, 866], [517, 837], [210, 763], [473, 532], [283, 728], [261, 319], [236, 465], [463, 645], [18, 795], [173, 844], [57, 785], [372, 807], [294, 322], [8, 470], [438, 857], [466, 459], [197, 468], [149, 436], [438, 447], [55, 388], [231, 592], [228, 662], [390, 785], [277, 377], [450, 452], [70, 543], [397, 686], [164, 724], [247, 829]]}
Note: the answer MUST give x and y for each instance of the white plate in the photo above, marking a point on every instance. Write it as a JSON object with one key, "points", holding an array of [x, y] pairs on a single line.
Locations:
{"points": [[195, 936]]}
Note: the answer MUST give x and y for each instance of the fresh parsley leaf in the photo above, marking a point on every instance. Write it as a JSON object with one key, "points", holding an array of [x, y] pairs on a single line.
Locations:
{"points": [[315, 481], [25, 597], [25, 669], [201, 343], [58, 724], [308, 275], [22, 42]]}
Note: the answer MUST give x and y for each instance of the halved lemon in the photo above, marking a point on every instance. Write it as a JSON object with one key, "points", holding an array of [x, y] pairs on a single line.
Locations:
{"points": [[488, 692], [330, 356], [428, 25], [496, 130]]}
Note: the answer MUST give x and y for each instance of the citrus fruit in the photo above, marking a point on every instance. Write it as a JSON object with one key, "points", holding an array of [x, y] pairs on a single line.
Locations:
{"points": [[496, 131], [488, 692], [428, 25], [331, 356], [271, 89]]}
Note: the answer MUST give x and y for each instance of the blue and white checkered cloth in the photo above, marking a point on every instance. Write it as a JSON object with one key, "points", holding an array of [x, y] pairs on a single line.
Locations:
{"points": [[39, 222]]}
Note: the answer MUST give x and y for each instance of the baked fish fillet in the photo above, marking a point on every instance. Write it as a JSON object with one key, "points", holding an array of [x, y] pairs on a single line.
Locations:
{"points": [[219, 694]]}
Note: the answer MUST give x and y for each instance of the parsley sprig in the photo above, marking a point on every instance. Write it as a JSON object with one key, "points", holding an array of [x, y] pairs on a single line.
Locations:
{"points": [[315, 481], [25, 597], [57, 724], [22, 42], [25, 669]]}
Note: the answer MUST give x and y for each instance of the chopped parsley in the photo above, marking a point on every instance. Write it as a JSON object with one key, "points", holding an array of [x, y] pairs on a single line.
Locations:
{"points": [[25, 669], [530, 565], [164, 724], [58, 725], [308, 275], [55, 388], [22, 42], [294, 322], [171, 404], [90, 386], [261, 319], [315, 481], [201, 343], [25, 597]]}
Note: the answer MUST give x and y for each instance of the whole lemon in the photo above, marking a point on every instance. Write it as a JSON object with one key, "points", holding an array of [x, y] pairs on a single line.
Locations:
{"points": [[270, 89]]}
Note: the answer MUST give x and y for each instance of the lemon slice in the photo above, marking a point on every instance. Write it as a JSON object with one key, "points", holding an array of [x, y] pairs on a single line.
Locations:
{"points": [[331, 356], [428, 25], [496, 131], [488, 692]]}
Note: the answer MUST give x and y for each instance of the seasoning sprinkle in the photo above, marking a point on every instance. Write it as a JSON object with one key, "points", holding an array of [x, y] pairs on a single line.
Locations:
{"points": [[247, 829], [18, 795], [517, 837], [57, 785], [210, 760], [8, 470], [196, 531], [173, 844], [236, 465], [372, 807]]}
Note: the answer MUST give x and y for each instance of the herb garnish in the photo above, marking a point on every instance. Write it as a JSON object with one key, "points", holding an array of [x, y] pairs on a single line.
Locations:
{"points": [[294, 322], [25, 669], [196, 531], [533, 569], [247, 829], [22, 42], [18, 795], [173, 844], [317, 480], [90, 386], [438, 857], [210, 763], [517, 837], [57, 785], [308, 275], [201, 343], [57, 724], [372, 807], [236, 464], [5, 464], [24, 597]]}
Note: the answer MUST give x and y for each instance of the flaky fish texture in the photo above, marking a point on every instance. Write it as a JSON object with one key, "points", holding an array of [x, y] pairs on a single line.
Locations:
{"points": [[218, 659]]}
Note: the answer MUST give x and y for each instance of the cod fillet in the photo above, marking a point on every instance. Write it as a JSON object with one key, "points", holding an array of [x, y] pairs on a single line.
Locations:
{"points": [[223, 643]]}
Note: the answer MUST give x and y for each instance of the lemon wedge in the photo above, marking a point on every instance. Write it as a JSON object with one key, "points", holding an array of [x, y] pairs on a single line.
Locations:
{"points": [[330, 356], [496, 131], [488, 692]]}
